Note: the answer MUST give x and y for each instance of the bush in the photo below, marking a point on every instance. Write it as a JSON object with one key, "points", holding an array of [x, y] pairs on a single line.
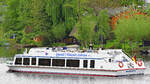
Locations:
{"points": [[113, 44], [58, 44]]}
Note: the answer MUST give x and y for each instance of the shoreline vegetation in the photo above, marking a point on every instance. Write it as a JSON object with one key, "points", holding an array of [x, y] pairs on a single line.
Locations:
{"points": [[122, 24]]}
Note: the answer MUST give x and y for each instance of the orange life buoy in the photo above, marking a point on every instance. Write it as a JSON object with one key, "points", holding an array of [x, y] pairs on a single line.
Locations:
{"points": [[140, 63], [120, 64]]}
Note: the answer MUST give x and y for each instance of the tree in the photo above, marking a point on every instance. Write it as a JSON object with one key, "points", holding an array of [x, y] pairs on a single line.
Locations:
{"points": [[40, 19], [132, 3], [58, 32], [93, 29], [63, 14], [2, 8], [69, 13], [85, 31], [11, 21], [10, 24], [134, 29], [103, 27]]}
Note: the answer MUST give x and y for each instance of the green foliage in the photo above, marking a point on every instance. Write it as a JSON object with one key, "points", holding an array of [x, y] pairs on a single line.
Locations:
{"points": [[4, 52], [58, 44], [27, 39], [58, 32], [40, 19], [103, 27], [2, 10], [53, 20], [85, 31], [147, 10], [97, 46], [62, 12], [132, 31], [10, 21], [23, 15], [28, 19], [113, 44], [2, 40], [126, 2], [135, 28], [53, 9], [134, 3], [8, 51], [91, 28], [70, 16]]}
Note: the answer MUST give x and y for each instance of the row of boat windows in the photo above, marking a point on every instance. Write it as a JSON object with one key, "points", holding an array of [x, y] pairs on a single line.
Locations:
{"points": [[54, 62]]}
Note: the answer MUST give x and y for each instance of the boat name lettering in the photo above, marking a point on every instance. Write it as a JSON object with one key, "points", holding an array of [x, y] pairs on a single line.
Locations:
{"points": [[70, 54]]}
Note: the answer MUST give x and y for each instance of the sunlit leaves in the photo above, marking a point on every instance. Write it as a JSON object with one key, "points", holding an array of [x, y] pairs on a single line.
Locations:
{"points": [[135, 28], [103, 24], [59, 32], [132, 3], [85, 31]]}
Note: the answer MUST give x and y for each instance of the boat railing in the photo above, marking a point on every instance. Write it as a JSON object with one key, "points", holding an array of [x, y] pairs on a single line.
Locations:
{"points": [[9, 62]]}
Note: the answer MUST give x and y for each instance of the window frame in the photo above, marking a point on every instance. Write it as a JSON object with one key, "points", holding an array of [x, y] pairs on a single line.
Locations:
{"points": [[73, 64], [45, 63], [57, 65], [27, 61], [85, 63], [92, 63], [20, 61], [33, 62]]}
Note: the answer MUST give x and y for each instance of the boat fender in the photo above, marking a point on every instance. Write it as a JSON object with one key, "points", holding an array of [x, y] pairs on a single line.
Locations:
{"points": [[120, 64], [140, 63]]}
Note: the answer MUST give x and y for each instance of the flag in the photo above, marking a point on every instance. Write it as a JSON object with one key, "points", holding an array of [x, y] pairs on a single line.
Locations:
{"points": [[134, 59]]}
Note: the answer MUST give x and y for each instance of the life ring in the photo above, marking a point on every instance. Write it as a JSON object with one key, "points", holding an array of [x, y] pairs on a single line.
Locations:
{"points": [[140, 63], [120, 64]]}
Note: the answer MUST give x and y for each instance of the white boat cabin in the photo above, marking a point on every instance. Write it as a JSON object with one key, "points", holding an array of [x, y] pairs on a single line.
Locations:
{"points": [[64, 58]]}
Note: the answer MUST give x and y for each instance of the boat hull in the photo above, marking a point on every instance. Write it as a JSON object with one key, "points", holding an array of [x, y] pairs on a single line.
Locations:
{"points": [[76, 71]]}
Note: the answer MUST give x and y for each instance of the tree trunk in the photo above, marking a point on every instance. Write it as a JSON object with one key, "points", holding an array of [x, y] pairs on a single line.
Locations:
{"points": [[79, 14], [131, 48], [125, 45]]}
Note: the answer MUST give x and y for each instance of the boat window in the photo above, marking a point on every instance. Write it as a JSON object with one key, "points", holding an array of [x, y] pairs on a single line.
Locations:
{"points": [[18, 61], [92, 64], [110, 60], [58, 62], [45, 62], [72, 63], [26, 61], [125, 59], [85, 63], [33, 61]]}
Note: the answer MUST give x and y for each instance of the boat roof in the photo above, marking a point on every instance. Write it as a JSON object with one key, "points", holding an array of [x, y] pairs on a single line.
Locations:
{"points": [[49, 52]]}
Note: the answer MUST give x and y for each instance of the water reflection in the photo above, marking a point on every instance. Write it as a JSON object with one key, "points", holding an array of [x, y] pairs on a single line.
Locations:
{"points": [[28, 78]]}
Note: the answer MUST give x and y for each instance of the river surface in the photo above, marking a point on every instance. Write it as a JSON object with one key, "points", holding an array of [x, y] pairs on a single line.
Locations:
{"points": [[28, 78]]}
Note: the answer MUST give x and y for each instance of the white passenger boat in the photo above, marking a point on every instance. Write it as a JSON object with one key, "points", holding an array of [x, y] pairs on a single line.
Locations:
{"points": [[108, 62]]}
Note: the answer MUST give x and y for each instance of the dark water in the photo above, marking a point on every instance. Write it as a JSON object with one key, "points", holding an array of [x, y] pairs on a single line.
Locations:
{"points": [[28, 78]]}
